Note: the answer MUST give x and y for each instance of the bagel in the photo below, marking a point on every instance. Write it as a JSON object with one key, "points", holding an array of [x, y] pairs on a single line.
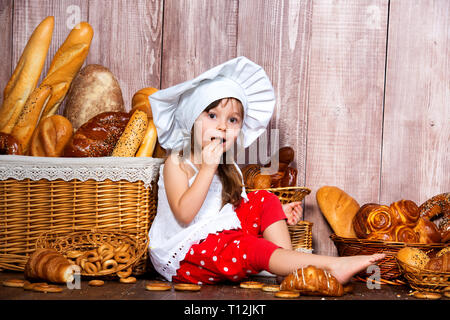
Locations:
{"points": [[160, 286], [109, 265], [92, 256], [30, 286], [427, 295], [47, 288], [14, 283], [90, 267], [187, 287], [251, 285], [96, 283], [125, 273], [128, 280], [287, 294], [122, 257], [73, 254], [270, 288]]}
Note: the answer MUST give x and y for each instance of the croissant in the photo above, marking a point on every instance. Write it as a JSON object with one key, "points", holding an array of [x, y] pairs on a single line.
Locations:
{"points": [[313, 281], [49, 265]]}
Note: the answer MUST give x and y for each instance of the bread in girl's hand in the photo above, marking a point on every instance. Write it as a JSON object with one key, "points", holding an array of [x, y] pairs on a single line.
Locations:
{"points": [[26, 74], [94, 90], [339, 209], [51, 136], [132, 136], [66, 63]]}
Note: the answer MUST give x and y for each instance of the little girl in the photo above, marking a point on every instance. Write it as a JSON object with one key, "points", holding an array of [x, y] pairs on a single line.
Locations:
{"points": [[207, 228]]}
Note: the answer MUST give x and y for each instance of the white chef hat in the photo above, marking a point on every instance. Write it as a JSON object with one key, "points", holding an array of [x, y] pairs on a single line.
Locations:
{"points": [[175, 109]]}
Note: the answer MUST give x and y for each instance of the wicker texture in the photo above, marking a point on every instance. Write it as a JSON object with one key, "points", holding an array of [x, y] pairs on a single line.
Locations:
{"points": [[389, 269], [424, 280], [301, 233], [29, 208], [88, 240]]}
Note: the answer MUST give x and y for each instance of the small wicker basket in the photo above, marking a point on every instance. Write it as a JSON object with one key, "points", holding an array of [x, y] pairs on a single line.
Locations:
{"points": [[424, 280], [389, 269], [87, 240], [301, 233]]}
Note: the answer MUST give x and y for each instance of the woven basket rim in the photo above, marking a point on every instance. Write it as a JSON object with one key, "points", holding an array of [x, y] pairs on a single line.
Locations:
{"points": [[141, 246], [340, 239], [294, 188]]}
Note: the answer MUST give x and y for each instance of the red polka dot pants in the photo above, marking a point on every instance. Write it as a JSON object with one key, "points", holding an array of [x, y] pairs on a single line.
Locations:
{"points": [[235, 254]]}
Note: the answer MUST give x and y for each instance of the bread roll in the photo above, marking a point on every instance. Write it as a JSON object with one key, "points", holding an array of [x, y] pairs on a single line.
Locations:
{"points": [[51, 136], [29, 117], [66, 63], [98, 136], [132, 136], [440, 264], [427, 231], [26, 74], [413, 257], [375, 222], [9, 144], [148, 142], [141, 102], [94, 90], [339, 209]]}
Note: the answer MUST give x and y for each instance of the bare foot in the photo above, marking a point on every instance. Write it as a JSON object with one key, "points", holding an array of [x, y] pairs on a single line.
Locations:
{"points": [[347, 267]]}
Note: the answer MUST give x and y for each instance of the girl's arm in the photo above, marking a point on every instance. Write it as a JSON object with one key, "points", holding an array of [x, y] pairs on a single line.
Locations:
{"points": [[185, 201]]}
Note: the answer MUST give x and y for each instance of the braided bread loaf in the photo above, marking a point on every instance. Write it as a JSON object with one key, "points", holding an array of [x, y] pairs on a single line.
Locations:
{"points": [[313, 281]]}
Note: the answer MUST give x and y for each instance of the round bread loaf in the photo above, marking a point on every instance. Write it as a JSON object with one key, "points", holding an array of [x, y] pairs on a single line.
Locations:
{"points": [[93, 91], [413, 257]]}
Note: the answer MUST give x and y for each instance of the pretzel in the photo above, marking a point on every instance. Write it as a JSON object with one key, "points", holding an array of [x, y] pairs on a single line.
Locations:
{"points": [[128, 280], [251, 285], [96, 283], [92, 256], [270, 288], [427, 295], [90, 267], [109, 265], [160, 286], [287, 294], [187, 287], [125, 273], [47, 288], [122, 257], [14, 283]]}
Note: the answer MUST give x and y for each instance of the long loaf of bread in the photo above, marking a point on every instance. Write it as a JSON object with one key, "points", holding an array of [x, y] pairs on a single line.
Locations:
{"points": [[132, 136], [66, 63], [29, 117], [26, 75]]}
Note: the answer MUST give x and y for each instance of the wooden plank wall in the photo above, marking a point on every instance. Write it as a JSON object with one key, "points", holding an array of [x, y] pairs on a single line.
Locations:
{"points": [[362, 86]]}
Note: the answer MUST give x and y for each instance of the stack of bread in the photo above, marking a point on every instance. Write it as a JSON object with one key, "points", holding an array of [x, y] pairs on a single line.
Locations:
{"points": [[401, 221], [285, 176], [94, 106]]}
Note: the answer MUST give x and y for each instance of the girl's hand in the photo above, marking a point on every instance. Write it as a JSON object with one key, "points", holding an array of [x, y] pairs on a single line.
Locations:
{"points": [[212, 153], [293, 212]]}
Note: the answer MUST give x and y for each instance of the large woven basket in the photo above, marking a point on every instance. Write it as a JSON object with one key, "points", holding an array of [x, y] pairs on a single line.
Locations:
{"points": [[85, 240], [301, 233], [31, 206], [424, 280], [389, 269]]}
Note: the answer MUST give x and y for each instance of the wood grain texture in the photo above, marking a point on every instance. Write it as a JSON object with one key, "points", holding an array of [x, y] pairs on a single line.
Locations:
{"points": [[345, 108], [127, 40], [28, 14], [416, 143], [198, 35], [281, 47], [6, 40]]}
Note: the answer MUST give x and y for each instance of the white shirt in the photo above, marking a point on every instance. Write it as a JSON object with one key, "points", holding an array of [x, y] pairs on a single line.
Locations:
{"points": [[169, 241]]}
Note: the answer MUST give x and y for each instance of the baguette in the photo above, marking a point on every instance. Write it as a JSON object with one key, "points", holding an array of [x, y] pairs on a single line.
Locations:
{"points": [[29, 117], [65, 64], [148, 142], [132, 136], [26, 75]]}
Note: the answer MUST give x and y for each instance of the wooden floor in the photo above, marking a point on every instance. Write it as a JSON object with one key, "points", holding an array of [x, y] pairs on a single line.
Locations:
{"points": [[114, 290]]}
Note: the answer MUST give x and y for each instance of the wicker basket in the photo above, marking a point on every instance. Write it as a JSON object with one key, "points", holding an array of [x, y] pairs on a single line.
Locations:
{"points": [[388, 266], [31, 207], [86, 240], [424, 280], [301, 233]]}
